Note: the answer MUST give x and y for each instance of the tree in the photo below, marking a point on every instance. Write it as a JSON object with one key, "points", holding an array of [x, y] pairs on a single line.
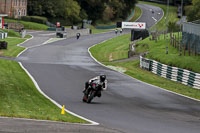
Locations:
{"points": [[194, 12], [66, 10], [72, 11]]}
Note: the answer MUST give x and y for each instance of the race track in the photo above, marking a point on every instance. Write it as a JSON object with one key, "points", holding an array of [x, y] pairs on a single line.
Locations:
{"points": [[61, 69]]}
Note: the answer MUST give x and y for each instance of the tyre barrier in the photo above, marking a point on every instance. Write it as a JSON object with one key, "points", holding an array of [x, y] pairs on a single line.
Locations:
{"points": [[183, 76], [3, 45], [3, 35]]}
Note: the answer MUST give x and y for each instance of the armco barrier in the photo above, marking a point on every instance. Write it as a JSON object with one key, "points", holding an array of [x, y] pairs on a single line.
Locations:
{"points": [[172, 73]]}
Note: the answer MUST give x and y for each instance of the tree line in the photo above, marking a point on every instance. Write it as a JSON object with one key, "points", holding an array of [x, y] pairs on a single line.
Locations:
{"points": [[194, 11], [74, 11]]}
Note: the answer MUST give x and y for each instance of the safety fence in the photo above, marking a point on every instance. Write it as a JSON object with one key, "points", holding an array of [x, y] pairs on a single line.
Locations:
{"points": [[172, 73], [191, 36]]}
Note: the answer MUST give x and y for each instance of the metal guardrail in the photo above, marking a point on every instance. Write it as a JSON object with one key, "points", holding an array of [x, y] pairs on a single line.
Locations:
{"points": [[183, 76]]}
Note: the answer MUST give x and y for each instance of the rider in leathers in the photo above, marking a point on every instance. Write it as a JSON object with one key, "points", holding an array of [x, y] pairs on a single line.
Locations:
{"points": [[102, 82]]}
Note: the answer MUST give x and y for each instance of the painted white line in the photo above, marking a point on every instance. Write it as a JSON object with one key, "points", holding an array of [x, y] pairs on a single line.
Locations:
{"points": [[47, 34], [25, 41], [154, 19], [58, 105], [49, 121], [137, 79], [24, 47], [34, 32]]}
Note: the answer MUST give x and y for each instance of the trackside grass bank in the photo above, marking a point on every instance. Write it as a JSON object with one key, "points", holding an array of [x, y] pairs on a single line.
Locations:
{"points": [[113, 49], [102, 52], [29, 25], [157, 52], [12, 50], [19, 96], [137, 14]]}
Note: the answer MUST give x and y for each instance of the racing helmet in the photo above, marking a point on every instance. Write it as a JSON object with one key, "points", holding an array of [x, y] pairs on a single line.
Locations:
{"points": [[102, 77]]}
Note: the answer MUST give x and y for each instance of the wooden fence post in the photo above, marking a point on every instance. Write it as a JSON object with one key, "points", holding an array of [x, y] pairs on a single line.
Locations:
{"points": [[184, 48], [189, 48], [175, 41]]}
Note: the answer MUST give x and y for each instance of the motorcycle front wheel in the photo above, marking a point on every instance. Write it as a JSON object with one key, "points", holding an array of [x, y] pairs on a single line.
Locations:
{"points": [[90, 96]]}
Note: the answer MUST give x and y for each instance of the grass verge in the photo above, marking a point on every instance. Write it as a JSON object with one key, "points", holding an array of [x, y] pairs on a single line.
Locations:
{"points": [[137, 14], [13, 50], [113, 49], [29, 25], [157, 52], [133, 70], [103, 51]]}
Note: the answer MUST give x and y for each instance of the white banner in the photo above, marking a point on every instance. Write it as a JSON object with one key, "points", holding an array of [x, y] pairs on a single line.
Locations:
{"points": [[133, 25]]}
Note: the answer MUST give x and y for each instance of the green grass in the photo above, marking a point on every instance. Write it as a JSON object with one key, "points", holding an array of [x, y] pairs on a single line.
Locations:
{"points": [[161, 25], [113, 49], [20, 98], [157, 52], [29, 25], [95, 31], [117, 45], [13, 50], [135, 71], [12, 33], [137, 14]]}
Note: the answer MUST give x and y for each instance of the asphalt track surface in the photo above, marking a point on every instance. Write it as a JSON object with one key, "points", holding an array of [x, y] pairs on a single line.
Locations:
{"points": [[131, 106]]}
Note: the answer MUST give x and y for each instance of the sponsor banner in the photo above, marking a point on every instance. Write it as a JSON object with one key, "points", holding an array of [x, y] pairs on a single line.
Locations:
{"points": [[133, 25]]}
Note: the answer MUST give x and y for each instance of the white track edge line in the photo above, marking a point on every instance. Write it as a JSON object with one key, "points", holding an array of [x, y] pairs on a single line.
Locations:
{"points": [[137, 79], [23, 46]]}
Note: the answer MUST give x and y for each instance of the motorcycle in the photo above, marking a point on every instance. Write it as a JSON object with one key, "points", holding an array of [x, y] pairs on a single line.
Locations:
{"points": [[93, 90]]}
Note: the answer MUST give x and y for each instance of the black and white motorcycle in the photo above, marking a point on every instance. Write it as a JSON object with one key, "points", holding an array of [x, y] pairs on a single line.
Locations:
{"points": [[94, 87]]}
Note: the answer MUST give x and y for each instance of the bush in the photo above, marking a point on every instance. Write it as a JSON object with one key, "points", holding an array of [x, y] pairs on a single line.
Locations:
{"points": [[173, 27], [37, 19], [12, 33]]}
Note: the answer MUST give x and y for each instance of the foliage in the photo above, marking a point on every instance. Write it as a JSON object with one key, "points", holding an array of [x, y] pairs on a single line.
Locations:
{"points": [[173, 27], [194, 12], [69, 10], [37, 19], [29, 25], [74, 11], [107, 10]]}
